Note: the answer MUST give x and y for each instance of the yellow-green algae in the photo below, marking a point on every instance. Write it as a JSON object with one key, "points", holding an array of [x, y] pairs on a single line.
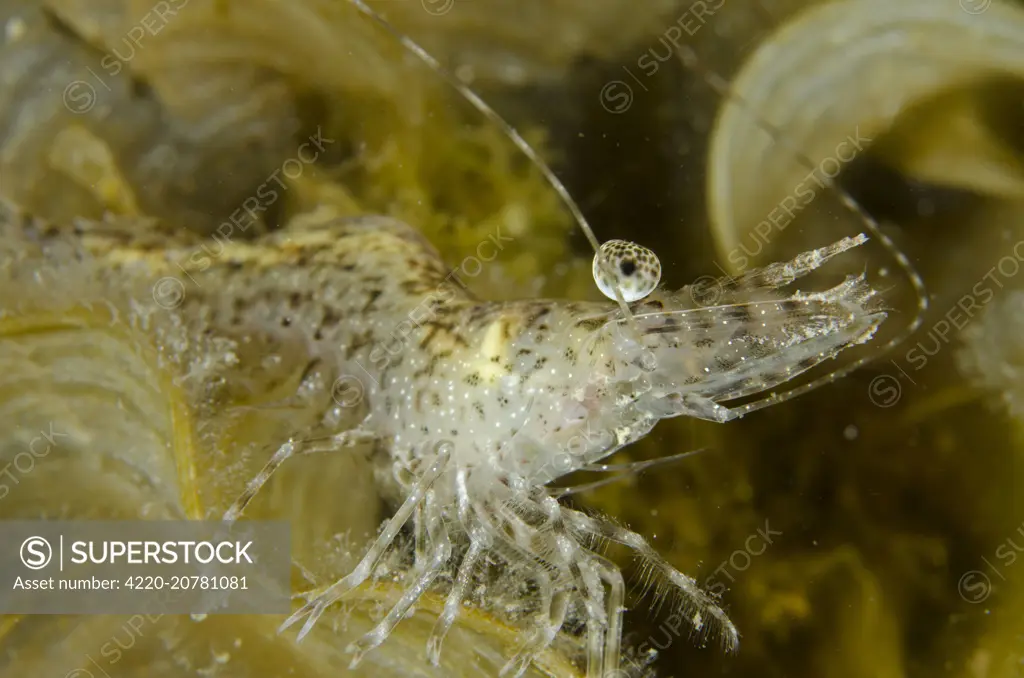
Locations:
{"points": [[881, 510]]}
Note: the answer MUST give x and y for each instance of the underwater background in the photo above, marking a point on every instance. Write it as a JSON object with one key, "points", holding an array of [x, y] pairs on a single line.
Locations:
{"points": [[872, 527]]}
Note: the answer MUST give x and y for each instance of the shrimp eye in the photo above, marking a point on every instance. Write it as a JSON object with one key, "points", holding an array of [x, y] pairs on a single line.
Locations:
{"points": [[636, 270]]}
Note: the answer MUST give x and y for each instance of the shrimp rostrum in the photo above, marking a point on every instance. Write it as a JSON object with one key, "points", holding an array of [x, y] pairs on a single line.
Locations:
{"points": [[478, 406]]}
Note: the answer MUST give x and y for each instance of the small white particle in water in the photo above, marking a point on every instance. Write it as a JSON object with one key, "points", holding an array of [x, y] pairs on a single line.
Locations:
{"points": [[465, 73], [198, 617], [514, 74], [851, 432], [15, 28]]}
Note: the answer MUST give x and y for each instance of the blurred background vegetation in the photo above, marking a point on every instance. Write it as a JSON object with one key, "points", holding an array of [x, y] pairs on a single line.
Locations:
{"points": [[868, 529]]}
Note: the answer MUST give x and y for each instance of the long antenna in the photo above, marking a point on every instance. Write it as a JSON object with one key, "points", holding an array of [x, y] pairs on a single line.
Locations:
{"points": [[527, 150], [721, 87], [690, 60]]}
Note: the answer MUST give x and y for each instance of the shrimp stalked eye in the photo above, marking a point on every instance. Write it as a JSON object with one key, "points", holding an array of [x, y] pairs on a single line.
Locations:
{"points": [[637, 270]]}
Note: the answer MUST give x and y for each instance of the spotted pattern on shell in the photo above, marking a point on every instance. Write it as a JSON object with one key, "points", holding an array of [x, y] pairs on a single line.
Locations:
{"points": [[637, 270], [466, 401]]}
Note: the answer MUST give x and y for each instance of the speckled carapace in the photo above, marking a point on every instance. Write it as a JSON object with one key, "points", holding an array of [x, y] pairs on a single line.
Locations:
{"points": [[479, 404]]}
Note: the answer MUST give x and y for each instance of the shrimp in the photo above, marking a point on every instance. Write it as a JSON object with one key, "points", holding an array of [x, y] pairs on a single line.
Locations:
{"points": [[487, 402], [484, 404], [476, 406]]}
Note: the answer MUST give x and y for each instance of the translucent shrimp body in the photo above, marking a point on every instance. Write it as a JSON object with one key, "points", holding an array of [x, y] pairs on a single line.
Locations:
{"points": [[519, 382], [479, 404], [476, 405], [490, 401]]}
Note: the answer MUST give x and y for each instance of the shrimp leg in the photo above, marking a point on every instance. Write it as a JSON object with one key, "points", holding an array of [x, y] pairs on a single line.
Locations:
{"points": [[479, 541], [441, 551], [696, 597], [316, 607], [290, 449], [612, 576], [555, 605]]}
